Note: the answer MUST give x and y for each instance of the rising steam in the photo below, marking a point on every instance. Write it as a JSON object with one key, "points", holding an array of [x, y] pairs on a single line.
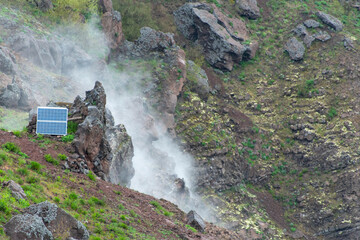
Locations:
{"points": [[157, 163]]}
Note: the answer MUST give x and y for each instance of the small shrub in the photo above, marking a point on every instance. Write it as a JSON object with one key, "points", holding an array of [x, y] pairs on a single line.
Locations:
{"points": [[12, 147], [73, 196], [62, 157], [91, 175], [332, 113], [4, 207], [72, 127], [67, 138], [35, 166], [121, 207], [96, 201], [24, 155], [57, 200], [23, 171], [17, 133], [50, 159], [32, 179], [123, 225]]}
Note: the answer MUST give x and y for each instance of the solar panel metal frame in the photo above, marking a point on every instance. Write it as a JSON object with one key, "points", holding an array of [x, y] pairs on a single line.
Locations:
{"points": [[49, 120]]}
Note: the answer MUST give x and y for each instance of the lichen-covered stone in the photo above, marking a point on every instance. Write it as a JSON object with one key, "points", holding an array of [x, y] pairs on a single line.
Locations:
{"points": [[27, 227]]}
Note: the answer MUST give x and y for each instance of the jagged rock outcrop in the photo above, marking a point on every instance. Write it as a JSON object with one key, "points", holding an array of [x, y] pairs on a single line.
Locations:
{"points": [[248, 8], [107, 149], [223, 46], [14, 97], [45, 221], [7, 61], [150, 41], [112, 24], [330, 21], [295, 49]]}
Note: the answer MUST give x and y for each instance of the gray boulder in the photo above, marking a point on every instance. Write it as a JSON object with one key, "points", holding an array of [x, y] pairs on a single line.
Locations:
{"points": [[248, 8], [13, 97], [295, 49], [203, 24], [16, 190], [196, 221], [61, 224], [27, 227], [7, 64], [330, 21], [311, 23], [198, 79]]}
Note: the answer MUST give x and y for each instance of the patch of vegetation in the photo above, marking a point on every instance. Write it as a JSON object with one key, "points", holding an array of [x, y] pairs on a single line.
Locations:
{"points": [[160, 209], [67, 138], [50, 159], [91, 176], [191, 228]]}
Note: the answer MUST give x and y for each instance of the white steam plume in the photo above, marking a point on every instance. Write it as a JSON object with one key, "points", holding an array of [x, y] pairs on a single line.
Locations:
{"points": [[156, 163]]}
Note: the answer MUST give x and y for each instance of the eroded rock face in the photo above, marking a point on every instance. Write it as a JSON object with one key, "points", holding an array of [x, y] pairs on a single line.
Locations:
{"points": [[52, 55], [295, 49], [248, 8], [330, 21], [45, 221], [107, 149], [222, 43], [111, 23], [7, 61]]}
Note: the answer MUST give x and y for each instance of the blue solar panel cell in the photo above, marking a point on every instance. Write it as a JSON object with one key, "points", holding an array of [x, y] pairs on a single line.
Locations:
{"points": [[52, 121], [56, 114], [51, 128]]}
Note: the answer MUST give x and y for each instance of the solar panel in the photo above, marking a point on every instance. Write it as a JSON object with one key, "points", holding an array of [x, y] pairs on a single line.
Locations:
{"points": [[51, 121]]}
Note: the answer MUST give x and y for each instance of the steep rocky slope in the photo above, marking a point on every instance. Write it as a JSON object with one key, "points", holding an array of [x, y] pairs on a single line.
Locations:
{"points": [[263, 94]]}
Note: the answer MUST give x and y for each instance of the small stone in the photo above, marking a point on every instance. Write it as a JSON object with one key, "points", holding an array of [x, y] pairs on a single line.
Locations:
{"points": [[300, 30], [295, 49], [322, 36]]}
